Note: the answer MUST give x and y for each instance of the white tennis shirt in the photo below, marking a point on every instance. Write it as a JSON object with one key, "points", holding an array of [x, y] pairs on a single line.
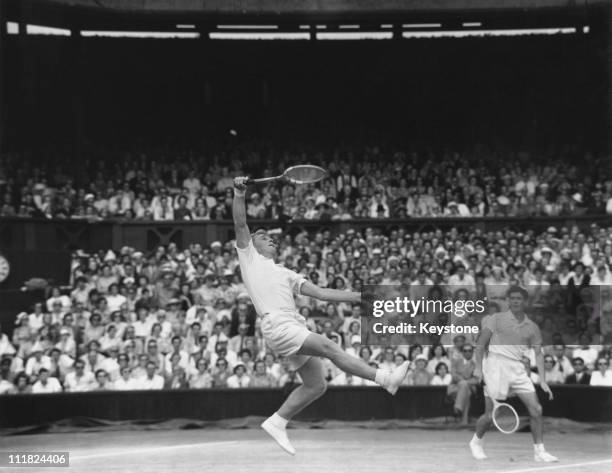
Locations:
{"points": [[512, 338], [270, 286]]}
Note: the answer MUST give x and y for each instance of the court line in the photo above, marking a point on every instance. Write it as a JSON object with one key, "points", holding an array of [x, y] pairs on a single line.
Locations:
{"points": [[559, 466], [114, 453]]}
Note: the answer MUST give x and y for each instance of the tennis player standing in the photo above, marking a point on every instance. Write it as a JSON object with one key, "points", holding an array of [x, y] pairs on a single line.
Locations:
{"points": [[271, 288], [508, 336]]}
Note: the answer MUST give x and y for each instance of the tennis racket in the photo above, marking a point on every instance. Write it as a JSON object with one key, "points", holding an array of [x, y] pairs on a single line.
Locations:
{"points": [[301, 174], [505, 417]]}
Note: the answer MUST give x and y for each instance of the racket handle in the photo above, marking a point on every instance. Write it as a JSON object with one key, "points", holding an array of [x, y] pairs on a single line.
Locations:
{"points": [[261, 180]]}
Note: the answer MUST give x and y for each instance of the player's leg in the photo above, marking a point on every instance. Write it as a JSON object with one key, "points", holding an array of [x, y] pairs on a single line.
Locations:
{"points": [[318, 345], [482, 425], [485, 421], [530, 399], [313, 386], [462, 401]]}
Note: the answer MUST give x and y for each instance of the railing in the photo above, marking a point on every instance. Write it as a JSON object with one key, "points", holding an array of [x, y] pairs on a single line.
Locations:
{"points": [[582, 403]]}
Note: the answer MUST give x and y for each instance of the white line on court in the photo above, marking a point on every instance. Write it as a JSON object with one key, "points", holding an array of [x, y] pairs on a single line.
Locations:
{"points": [[559, 466], [134, 451]]}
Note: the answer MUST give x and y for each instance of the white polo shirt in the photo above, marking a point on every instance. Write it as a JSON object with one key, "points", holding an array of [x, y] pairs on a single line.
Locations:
{"points": [[270, 286], [512, 338], [52, 386]]}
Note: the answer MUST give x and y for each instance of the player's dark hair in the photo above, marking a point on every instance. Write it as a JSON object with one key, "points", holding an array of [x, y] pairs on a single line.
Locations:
{"points": [[519, 290]]}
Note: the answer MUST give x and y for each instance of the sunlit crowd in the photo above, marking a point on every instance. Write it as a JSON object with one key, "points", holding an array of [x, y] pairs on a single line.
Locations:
{"points": [[181, 317]]}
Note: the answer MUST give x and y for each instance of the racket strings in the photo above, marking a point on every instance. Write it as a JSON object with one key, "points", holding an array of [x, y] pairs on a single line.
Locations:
{"points": [[506, 418], [305, 174]]}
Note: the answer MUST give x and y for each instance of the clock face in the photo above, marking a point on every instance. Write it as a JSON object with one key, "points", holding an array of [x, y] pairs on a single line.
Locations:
{"points": [[5, 268]]}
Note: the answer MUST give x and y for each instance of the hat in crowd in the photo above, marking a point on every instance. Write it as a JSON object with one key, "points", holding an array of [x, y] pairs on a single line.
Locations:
{"points": [[180, 257], [420, 356], [552, 230], [321, 199], [128, 281], [503, 200], [238, 365], [65, 331], [243, 295], [216, 244], [440, 251], [89, 197], [228, 272], [376, 251], [546, 249], [166, 268], [173, 301], [125, 250], [355, 339], [110, 256]]}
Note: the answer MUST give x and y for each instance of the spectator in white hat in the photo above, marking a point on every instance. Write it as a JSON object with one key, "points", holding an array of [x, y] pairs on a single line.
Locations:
{"points": [[420, 376]]}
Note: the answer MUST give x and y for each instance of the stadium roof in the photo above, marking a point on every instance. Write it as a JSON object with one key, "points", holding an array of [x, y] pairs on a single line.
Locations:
{"points": [[289, 14]]}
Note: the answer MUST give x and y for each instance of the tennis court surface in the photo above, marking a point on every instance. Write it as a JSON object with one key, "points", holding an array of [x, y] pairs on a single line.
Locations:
{"points": [[344, 449]]}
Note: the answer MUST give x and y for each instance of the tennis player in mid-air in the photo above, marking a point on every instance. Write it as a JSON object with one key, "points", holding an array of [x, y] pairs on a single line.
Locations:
{"points": [[271, 288], [508, 336]]}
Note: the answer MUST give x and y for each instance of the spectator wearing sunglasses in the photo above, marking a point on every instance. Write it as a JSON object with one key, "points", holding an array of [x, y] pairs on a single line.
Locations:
{"points": [[602, 376], [580, 374]]}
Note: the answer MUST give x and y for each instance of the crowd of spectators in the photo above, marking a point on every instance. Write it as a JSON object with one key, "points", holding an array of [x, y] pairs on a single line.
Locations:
{"points": [[364, 183], [182, 318]]}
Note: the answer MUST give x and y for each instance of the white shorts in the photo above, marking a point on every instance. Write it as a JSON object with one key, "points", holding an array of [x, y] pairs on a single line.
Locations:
{"points": [[285, 333], [504, 376]]}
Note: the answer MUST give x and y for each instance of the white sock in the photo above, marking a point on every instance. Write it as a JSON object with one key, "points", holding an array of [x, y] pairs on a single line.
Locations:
{"points": [[475, 439], [538, 447], [381, 377], [278, 421]]}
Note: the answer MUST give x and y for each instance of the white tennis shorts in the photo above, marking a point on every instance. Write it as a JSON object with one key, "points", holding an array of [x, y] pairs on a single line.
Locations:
{"points": [[504, 376], [285, 333]]}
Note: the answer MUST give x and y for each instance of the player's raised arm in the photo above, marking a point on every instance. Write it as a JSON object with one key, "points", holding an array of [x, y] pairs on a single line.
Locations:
{"points": [[331, 295], [239, 211]]}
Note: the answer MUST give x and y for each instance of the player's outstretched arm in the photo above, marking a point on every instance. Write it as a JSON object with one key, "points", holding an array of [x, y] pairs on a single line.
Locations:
{"points": [[331, 295], [239, 211]]}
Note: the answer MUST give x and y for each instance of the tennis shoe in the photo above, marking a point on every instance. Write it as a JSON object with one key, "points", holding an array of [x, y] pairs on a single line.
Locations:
{"points": [[544, 456], [477, 450], [395, 377], [279, 434]]}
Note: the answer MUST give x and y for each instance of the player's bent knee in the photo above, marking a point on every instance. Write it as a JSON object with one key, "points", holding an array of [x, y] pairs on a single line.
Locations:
{"points": [[535, 410], [317, 389], [321, 388], [330, 349]]}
